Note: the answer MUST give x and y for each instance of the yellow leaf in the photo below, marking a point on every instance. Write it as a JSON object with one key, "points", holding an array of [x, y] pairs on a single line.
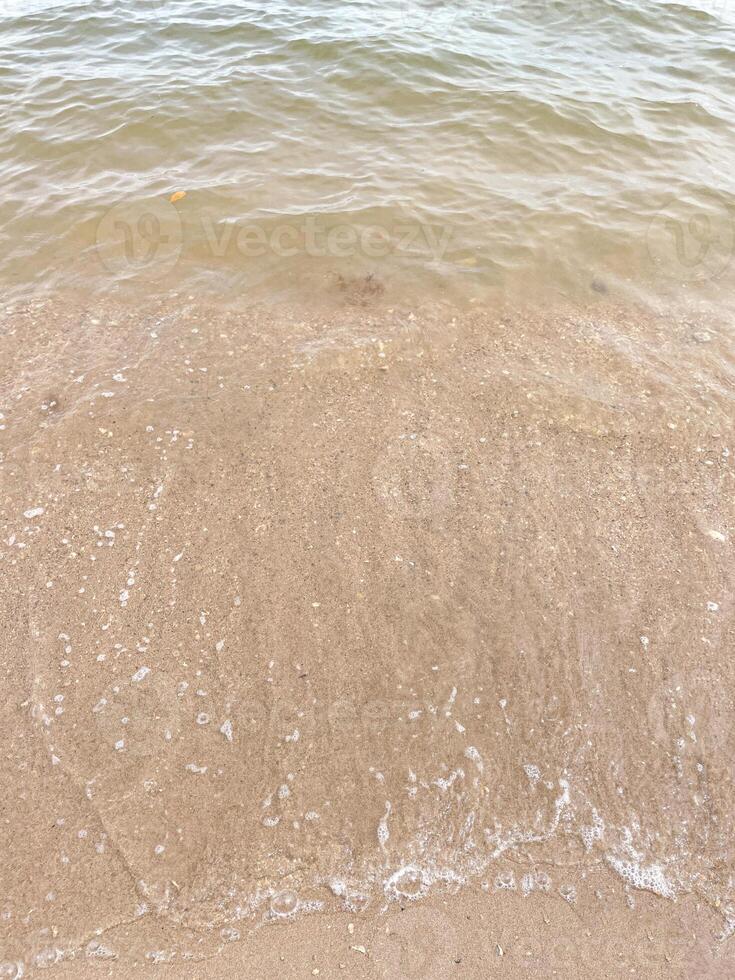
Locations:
{"points": [[177, 196]]}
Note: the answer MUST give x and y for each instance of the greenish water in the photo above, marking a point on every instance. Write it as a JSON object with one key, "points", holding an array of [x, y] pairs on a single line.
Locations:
{"points": [[526, 149]]}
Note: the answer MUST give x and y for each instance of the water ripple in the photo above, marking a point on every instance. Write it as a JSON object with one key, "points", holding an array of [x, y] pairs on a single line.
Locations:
{"points": [[550, 141]]}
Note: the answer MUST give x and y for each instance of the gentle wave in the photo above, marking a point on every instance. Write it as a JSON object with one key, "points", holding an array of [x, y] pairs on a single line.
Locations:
{"points": [[545, 167]]}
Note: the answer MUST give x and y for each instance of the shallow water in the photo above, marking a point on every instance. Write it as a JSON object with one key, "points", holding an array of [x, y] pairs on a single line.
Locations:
{"points": [[332, 613], [416, 575], [478, 149]]}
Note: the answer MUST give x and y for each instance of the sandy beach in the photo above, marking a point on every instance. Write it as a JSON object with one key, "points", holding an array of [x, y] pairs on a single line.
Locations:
{"points": [[367, 502], [403, 618], [470, 936]]}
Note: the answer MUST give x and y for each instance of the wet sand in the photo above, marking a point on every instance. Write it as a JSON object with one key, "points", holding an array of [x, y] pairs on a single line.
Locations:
{"points": [[470, 937], [308, 616]]}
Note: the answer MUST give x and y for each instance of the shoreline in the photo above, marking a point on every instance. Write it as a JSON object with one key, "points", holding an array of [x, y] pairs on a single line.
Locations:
{"points": [[470, 935], [364, 588]]}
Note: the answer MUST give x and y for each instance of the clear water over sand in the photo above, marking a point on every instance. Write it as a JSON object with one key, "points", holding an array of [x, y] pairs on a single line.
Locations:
{"points": [[416, 576], [315, 613], [526, 148]]}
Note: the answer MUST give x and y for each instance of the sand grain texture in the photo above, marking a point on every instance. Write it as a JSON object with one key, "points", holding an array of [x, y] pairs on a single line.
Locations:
{"points": [[319, 614]]}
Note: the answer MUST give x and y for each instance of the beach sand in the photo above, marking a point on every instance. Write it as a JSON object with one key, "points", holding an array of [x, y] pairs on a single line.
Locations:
{"points": [[470, 936], [407, 618]]}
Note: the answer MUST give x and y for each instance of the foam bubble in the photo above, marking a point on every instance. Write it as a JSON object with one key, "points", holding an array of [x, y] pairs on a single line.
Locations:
{"points": [[505, 881], [356, 902], [407, 882], [383, 832], [47, 958], [96, 951], [651, 878], [11, 971], [284, 904], [535, 881], [568, 893]]}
